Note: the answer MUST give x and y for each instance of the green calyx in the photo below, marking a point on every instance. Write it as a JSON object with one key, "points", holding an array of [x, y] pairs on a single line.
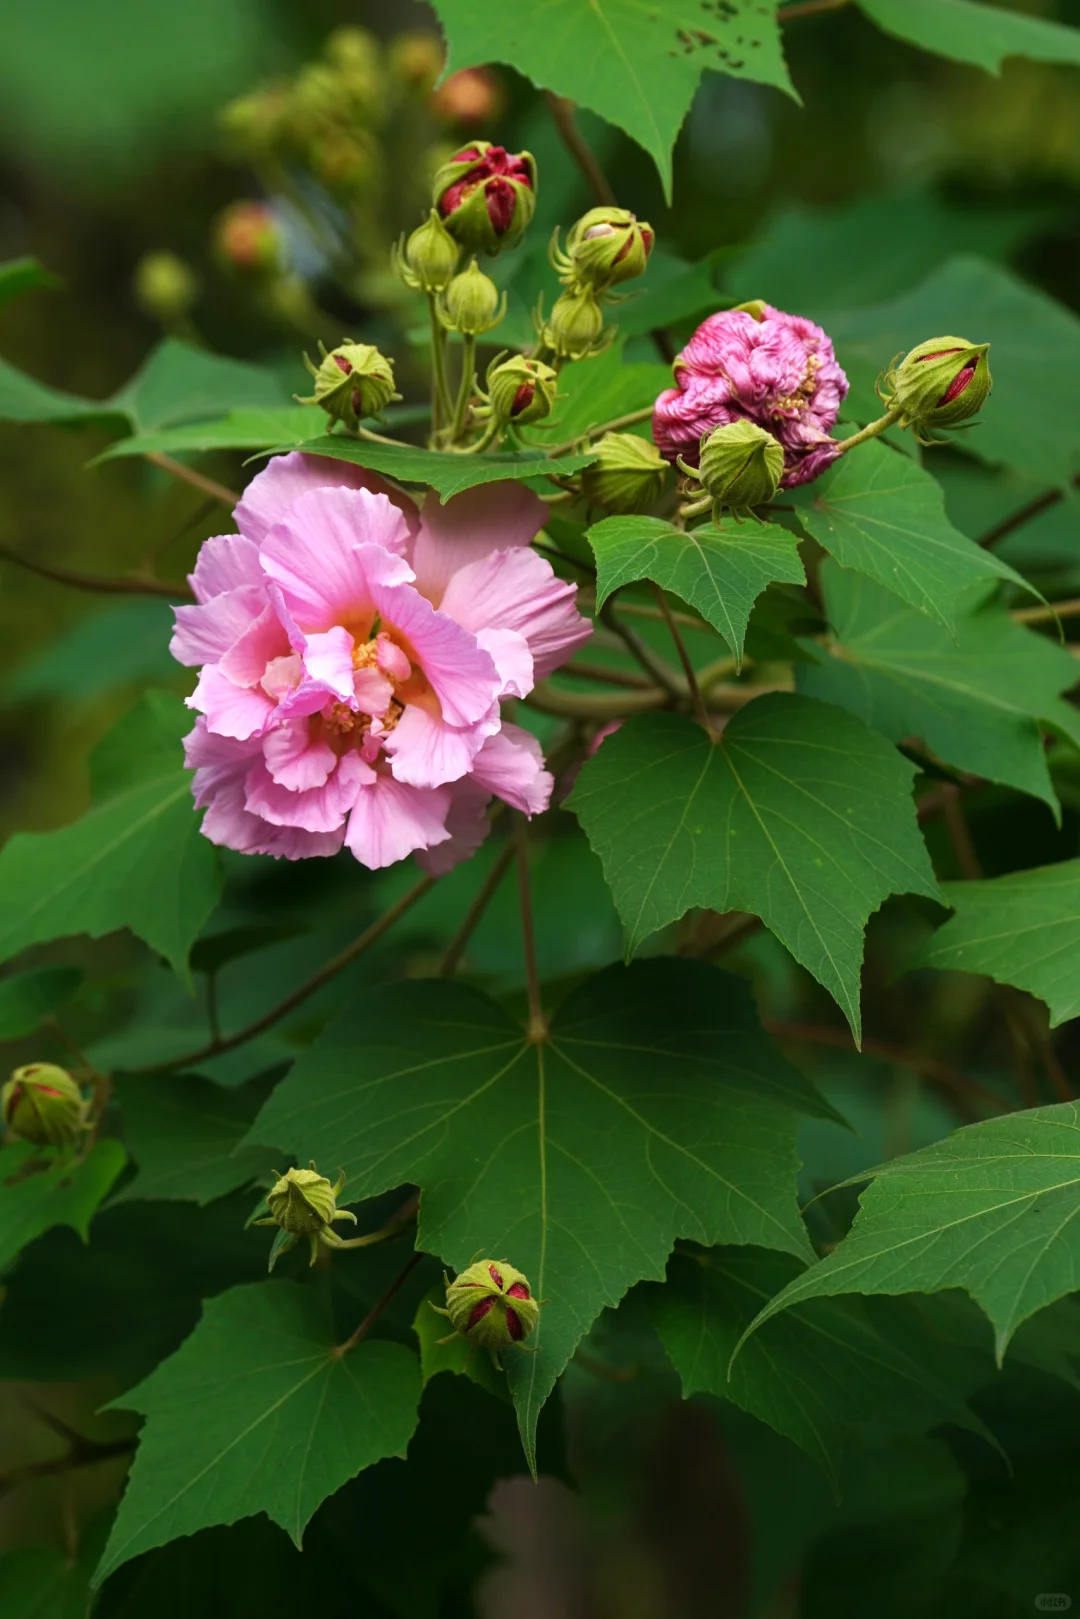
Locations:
{"points": [[605, 246], [42, 1104], [491, 1304], [471, 303], [303, 1203], [627, 476], [940, 383], [429, 258], [353, 381], [740, 467], [520, 390], [575, 328]]}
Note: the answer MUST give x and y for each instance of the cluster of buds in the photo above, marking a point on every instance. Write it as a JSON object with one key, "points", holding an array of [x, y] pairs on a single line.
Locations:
{"points": [[303, 1203], [520, 391], [42, 1104], [606, 246], [941, 383], [490, 1304], [627, 476], [486, 196], [352, 382], [740, 467]]}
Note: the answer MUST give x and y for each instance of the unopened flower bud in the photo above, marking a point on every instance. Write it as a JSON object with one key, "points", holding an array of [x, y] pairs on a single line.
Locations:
{"points": [[247, 236], [487, 196], [940, 383], [627, 476], [416, 60], [491, 1304], [521, 390], [42, 1104], [741, 466], [253, 123], [165, 287], [471, 303], [353, 381], [575, 327], [303, 1203], [430, 256], [605, 246], [469, 97]]}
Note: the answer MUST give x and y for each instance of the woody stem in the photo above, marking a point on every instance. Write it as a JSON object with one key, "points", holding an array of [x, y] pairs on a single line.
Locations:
{"points": [[373, 1314]]}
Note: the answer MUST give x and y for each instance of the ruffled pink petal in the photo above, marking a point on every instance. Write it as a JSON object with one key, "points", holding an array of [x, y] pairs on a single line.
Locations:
{"points": [[371, 691], [328, 661], [320, 809], [462, 675], [468, 825], [390, 658], [518, 590], [330, 551], [511, 765], [426, 752], [225, 562], [221, 766], [283, 480], [205, 633], [262, 643], [232, 711], [512, 658], [297, 760], [491, 517], [391, 820]]}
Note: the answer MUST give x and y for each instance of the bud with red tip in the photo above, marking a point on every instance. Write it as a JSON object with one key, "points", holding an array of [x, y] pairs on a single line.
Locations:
{"points": [[520, 390], [604, 247], [353, 381], [941, 383], [41, 1103], [491, 1304], [486, 195]]}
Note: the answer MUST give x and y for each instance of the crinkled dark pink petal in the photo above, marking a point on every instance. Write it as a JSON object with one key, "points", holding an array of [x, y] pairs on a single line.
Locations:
{"points": [[779, 371]]}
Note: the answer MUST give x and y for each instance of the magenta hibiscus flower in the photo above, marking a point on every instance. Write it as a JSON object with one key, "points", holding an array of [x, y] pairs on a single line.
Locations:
{"points": [[354, 651], [777, 370]]}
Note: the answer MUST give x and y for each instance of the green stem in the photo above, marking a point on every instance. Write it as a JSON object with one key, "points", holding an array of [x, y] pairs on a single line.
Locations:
{"points": [[601, 705], [613, 426], [440, 393], [700, 711], [465, 391], [872, 431]]}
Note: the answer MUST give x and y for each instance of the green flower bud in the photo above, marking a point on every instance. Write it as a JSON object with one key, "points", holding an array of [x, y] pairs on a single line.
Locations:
{"points": [[253, 123], [491, 1304], [575, 327], [605, 246], [428, 259], [416, 60], [627, 476], [303, 1203], [741, 466], [471, 303], [940, 383], [41, 1103], [353, 381], [165, 287], [521, 390], [486, 195]]}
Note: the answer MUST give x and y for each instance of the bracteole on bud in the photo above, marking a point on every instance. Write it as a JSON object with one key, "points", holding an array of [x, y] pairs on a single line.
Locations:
{"points": [[605, 246], [353, 381], [520, 390], [429, 258], [471, 303], [940, 383], [490, 1304], [303, 1203], [627, 476], [486, 195], [42, 1104], [575, 328], [740, 467]]}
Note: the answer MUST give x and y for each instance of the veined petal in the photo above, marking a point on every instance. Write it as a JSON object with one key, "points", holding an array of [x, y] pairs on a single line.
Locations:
{"points": [[426, 752], [295, 759], [462, 675], [490, 517], [262, 642], [518, 590], [225, 562], [283, 480], [468, 826], [511, 765], [320, 809], [206, 632], [391, 820], [330, 551], [233, 711], [513, 660]]}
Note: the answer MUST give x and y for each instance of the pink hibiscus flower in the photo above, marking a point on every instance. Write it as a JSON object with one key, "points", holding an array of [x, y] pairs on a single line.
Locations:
{"points": [[354, 650], [775, 369]]}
